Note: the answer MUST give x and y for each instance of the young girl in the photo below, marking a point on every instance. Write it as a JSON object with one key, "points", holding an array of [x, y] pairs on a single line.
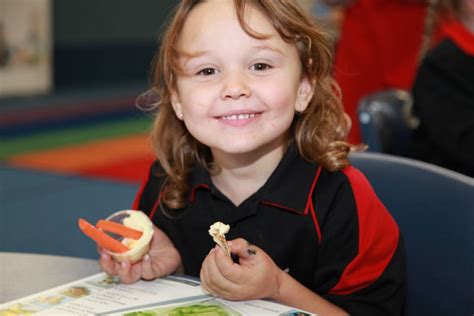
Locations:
{"points": [[250, 132]]}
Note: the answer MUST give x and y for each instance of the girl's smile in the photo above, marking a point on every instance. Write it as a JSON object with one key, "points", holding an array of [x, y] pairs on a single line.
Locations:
{"points": [[239, 117]]}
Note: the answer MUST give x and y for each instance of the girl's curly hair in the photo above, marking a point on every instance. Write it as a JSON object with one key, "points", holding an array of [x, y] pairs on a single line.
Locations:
{"points": [[319, 132]]}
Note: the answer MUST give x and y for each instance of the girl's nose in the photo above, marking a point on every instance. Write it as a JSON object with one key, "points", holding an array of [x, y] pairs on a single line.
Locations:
{"points": [[235, 87]]}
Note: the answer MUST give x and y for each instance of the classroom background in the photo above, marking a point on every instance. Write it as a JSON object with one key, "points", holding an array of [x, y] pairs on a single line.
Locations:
{"points": [[73, 142]]}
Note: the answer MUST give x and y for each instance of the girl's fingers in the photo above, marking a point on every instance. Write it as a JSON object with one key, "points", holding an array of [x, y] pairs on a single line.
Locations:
{"points": [[125, 272], [203, 276], [242, 248], [216, 281], [136, 271], [209, 279], [147, 268], [210, 263], [107, 264], [225, 266]]}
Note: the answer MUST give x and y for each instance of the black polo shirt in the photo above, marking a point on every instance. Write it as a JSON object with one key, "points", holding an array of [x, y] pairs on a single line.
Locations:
{"points": [[328, 229]]}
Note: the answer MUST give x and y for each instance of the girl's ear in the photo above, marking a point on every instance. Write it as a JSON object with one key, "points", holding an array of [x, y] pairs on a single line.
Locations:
{"points": [[305, 94], [175, 102]]}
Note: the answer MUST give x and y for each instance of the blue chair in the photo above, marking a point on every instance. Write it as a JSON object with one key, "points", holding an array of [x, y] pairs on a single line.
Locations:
{"points": [[386, 122], [434, 208]]}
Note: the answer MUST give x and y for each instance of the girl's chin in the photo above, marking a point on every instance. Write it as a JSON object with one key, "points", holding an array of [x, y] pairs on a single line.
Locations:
{"points": [[233, 150], [244, 148]]}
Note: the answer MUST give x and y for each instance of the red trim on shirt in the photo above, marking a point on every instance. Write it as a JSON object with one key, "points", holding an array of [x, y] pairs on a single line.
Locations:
{"points": [[310, 205], [192, 197], [136, 202], [289, 209], [460, 35], [378, 237], [155, 207], [315, 221]]}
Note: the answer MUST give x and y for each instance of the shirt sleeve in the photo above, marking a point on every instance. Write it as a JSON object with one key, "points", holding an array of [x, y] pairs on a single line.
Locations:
{"points": [[147, 197], [361, 265]]}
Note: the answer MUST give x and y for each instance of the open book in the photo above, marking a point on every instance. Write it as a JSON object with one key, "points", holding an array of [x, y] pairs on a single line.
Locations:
{"points": [[173, 295]]}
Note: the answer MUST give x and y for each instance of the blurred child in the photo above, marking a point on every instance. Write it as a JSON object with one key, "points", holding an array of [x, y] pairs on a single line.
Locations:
{"points": [[250, 131], [378, 49], [444, 93]]}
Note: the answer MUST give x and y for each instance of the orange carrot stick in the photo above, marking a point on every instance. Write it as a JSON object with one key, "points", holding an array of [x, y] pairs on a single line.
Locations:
{"points": [[119, 229], [101, 238]]}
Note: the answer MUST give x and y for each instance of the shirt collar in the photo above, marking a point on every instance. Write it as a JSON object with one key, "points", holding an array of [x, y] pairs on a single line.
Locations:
{"points": [[291, 183], [287, 188]]}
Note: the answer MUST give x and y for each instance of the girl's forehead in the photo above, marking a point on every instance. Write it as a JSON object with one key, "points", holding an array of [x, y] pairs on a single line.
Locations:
{"points": [[216, 19]]}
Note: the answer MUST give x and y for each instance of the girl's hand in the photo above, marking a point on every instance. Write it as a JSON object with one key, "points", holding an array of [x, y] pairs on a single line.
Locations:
{"points": [[256, 276], [162, 259]]}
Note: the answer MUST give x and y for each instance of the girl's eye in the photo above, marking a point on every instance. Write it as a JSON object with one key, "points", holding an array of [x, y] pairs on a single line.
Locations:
{"points": [[260, 66], [207, 72]]}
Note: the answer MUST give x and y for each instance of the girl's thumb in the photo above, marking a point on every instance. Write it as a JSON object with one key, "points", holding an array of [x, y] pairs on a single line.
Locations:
{"points": [[242, 248]]}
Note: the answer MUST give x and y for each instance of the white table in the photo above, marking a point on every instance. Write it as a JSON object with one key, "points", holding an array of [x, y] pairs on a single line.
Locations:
{"points": [[23, 274]]}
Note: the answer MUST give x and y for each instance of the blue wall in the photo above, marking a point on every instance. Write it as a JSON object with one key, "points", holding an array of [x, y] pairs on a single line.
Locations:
{"points": [[105, 42]]}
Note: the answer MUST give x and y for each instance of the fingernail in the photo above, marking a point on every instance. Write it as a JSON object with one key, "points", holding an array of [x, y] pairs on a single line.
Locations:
{"points": [[104, 256], [146, 258], [124, 264], [229, 243]]}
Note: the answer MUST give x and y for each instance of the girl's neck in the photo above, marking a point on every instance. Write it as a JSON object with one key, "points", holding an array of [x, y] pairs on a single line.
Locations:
{"points": [[242, 175]]}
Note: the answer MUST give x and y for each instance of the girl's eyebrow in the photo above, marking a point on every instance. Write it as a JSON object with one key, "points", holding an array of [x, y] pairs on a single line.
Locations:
{"points": [[270, 48], [193, 54], [187, 56]]}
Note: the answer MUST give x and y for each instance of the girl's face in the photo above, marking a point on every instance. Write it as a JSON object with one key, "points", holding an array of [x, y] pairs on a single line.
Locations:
{"points": [[238, 94]]}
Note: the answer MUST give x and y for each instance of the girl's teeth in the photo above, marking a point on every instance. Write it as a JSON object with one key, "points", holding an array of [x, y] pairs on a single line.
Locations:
{"points": [[238, 117]]}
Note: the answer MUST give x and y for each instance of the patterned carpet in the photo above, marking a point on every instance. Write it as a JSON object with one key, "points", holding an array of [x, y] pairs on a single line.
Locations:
{"points": [[101, 137]]}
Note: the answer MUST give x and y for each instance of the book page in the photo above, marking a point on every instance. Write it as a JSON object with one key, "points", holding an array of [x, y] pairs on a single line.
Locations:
{"points": [[101, 294], [171, 295]]}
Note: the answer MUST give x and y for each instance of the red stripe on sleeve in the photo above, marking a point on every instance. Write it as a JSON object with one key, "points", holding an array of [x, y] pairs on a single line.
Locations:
{"points": [[378, 237], [155, 207], [136, 202], [310, 205]]}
